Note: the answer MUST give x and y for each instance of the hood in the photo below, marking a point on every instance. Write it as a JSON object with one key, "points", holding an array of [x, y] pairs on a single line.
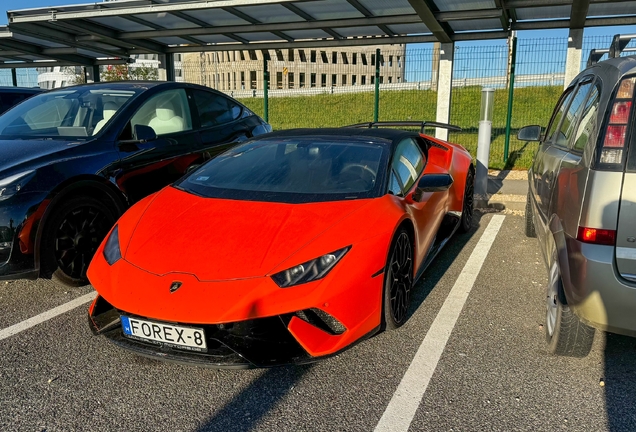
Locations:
{"points": [[14, 153], [217, 239]]}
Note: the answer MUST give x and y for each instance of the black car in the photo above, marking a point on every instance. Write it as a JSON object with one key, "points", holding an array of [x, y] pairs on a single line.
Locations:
{"points": [[73, 159], [11, 96]]}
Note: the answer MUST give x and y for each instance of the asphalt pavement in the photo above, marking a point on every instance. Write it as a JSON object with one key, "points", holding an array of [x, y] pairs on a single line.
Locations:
{"points": [[493, 373]]}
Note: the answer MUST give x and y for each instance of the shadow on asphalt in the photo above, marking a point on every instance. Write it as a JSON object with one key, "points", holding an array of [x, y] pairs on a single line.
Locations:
{"points": [[620, 382], [246, 409], [437, 269]]}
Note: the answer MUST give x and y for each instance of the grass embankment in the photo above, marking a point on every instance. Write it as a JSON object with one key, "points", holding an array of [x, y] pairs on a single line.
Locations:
{"points": [[532, 105]]}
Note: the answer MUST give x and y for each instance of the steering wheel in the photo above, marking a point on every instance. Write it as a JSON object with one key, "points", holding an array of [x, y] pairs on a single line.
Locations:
{"points": [[361, 172]]}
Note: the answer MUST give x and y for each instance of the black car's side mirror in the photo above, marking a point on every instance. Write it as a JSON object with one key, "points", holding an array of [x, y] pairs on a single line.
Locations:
{"points": [[529, 133], [141, 134]]}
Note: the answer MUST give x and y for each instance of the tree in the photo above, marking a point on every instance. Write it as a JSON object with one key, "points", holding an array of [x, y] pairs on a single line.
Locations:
{"points": [[124, 72]]}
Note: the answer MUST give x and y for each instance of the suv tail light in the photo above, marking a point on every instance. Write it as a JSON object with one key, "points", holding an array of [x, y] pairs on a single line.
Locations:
{"points": [[597, 236], [616, 133]]}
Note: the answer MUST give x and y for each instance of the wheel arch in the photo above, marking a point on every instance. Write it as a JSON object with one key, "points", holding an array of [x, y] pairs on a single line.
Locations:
{"points": [[77, 186]]}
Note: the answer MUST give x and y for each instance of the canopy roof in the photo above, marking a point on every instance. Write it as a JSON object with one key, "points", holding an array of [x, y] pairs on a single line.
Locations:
{"points": [[88, 34]]}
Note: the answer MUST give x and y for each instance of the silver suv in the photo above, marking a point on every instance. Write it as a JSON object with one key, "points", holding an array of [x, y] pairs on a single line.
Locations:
{"points": [[582, 205]]}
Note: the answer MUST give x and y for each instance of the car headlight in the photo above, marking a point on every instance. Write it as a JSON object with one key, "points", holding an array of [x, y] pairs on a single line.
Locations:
{"points": [[11, 185], [309, 271], [112, 253]]}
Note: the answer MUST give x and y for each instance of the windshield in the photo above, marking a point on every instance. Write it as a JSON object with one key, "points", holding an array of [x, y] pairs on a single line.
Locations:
{"points": [[72, 113], [295, 170]]}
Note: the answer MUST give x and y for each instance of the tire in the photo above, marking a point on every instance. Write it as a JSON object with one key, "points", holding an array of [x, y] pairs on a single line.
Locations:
{"points": [[71, 236], [565, 334], [468, 206], [398, 281], [530, 230]]}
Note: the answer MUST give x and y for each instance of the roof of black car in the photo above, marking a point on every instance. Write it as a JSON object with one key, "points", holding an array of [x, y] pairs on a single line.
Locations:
{"points": [[384, 134]]}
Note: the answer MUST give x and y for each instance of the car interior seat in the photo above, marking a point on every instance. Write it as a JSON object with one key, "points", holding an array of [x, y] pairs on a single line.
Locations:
{"points": [[110, 108], [166, 119]]}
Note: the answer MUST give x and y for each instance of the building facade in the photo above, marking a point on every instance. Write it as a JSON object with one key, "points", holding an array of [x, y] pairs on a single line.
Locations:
{"points": [[294, 68]]}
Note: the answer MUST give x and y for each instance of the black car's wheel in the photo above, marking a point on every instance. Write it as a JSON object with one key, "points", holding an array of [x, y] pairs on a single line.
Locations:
{"points": [[530, 230], [398, 280], [468, 207], [71, 237], [565, 333]]}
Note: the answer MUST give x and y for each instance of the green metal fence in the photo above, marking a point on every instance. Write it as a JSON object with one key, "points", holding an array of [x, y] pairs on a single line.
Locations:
{"points": [[340, 86]]}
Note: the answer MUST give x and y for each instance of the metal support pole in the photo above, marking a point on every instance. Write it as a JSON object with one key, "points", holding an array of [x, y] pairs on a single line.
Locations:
{"points": [[96, 77], [483, 141], [265, 90], [170, 74], [376, 102], [511, 93], [444, 88], [14, 77]]}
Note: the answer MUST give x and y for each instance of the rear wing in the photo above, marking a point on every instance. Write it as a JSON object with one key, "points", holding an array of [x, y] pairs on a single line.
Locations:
{"points": [[618, 46], [421, 124]]}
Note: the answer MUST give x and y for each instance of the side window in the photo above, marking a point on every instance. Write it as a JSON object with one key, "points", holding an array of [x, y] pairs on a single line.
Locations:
{"points": [[215, 109], [394, 185], [558, 113], [408, 163], [571, 117], [588, 122], [167, 112]]}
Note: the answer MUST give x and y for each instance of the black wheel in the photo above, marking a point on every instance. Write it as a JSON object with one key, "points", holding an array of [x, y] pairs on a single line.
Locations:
{"points": [[469, 202], [71, 237], [398, 281], [530, 231], [565, 333]]}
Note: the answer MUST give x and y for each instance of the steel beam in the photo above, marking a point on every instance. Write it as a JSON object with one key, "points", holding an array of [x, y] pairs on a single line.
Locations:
{"points": [[427, 16], [578, 14], [257, 28], [26, 48]]}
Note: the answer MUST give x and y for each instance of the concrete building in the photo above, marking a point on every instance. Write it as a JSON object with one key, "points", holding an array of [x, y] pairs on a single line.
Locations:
{"points": [[294, 68]]}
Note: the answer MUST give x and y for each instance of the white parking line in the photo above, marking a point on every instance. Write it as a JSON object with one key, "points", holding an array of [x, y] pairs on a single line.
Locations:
{"points": [[45, 316], [408, 396]]}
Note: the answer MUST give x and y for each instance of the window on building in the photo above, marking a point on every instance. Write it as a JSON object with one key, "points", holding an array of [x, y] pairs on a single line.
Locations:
{"points": [[372, 59], [381, 79], [242, 55], [252, 80], [313, 56], [345, 59], [323, 80], [390, 61], [364, 59], [372, 79], [290, 80], [334, 80], [252, 54], [290, 55], [242, 80], [334, 57], [279, 80], [390, 80], [381, 60], [233, 80], [301, 78], [279, 55], [313, 80], [354, 58], [354, 79], [399, 60], [301, 54], [363, 80], [344, 80], [323, 56]]}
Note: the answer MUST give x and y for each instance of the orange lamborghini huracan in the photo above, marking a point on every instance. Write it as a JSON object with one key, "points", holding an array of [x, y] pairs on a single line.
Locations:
{"points": [[284, 249]]}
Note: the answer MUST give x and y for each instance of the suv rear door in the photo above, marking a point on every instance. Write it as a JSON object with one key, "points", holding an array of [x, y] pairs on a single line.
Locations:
{"points": [[626, 231]]}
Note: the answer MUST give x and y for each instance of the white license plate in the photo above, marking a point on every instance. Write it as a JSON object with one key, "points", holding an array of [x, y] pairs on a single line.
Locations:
{"points": [[189, 338]]}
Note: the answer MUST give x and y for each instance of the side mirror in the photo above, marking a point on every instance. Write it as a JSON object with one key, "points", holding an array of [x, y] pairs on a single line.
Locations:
{"points": [[529, 133], [434, 182], [144, 133]]}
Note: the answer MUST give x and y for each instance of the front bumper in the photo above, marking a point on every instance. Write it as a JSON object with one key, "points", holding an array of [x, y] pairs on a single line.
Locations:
{"points": [[261, 342], [595, 291]]}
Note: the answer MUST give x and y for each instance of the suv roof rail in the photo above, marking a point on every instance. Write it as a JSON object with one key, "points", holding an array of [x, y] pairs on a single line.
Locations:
{"points": [[618, 46], [421, 124]]}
